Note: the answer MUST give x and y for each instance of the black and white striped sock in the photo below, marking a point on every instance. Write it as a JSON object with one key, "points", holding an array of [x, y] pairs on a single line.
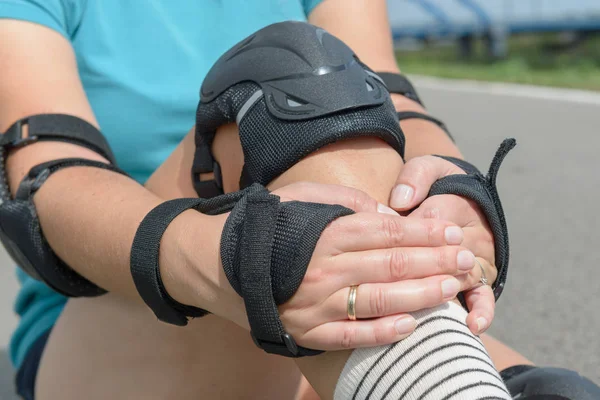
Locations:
{"points": [[441, 360]]}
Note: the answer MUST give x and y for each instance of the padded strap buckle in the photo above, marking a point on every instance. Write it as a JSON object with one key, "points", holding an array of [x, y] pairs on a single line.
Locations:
{"points": [[13, 137], [287, 347]]}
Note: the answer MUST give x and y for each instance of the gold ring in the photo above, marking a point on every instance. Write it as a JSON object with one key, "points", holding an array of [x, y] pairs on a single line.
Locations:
{"points": [[352, 303], [483, 278]]}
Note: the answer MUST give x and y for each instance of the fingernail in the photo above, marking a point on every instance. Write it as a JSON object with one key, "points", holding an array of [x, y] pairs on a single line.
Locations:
{"points": [[465, 260], [401, 196], [450, 288], [405, 325], [481, 324], [386, 210], [454, 235]]}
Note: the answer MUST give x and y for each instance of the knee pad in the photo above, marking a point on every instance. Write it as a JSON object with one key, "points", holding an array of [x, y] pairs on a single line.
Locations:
{"points": [[533, 383], [292, 88]]}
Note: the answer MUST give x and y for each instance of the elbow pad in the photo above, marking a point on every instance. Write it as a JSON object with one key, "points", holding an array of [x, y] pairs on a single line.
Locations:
{"points": [[20, 229], [291, 88]]}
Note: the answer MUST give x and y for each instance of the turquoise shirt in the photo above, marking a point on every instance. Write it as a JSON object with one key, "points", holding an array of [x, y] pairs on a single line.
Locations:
{"points": [[141, 63]]}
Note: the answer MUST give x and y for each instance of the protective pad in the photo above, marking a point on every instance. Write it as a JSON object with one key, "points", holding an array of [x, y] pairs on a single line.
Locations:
{"points": [[266, 247], [482, 190], [535, 383], [291, 88], [22, 235]]}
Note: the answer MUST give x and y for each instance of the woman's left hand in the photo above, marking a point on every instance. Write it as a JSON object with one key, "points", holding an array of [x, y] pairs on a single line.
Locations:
{"points": [[411, 191]]}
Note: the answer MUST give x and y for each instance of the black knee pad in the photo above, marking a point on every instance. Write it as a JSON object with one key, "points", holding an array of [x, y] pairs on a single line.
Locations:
{"points": [[534, 383], [292, 88]]}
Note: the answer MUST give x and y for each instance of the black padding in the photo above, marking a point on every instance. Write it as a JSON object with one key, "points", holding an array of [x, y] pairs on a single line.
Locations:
{"points": [[22, 235], [266, 247], [291, 88], [399, 84], [57, 127], [482, 190], [538, 383], [295, 62]]}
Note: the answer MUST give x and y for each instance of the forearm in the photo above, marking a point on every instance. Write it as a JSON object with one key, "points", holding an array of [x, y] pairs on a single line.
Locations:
{"points": [[89, 216]]}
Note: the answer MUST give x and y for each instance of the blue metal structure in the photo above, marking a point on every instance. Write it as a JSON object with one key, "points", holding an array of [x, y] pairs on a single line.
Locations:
{"points": [[427, 19]]}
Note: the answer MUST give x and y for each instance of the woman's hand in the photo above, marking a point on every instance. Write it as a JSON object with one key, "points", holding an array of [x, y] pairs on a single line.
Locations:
{"points": [[414, 182], [400, 264]]}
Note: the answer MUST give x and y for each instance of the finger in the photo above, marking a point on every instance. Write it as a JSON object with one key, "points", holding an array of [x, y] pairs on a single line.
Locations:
{"points": [[366, 231], [482, 269], [342, 335], [399, 264], [383, 299], [465, 213], [351, 198], [482, 306], [416, 178]]}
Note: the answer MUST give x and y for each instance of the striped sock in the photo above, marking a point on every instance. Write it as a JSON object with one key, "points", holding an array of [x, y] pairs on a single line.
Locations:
{"points": [[441, 360]]}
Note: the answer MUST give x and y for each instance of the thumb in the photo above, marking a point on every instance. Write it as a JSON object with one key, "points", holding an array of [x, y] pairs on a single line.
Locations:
{"points": [[416, 178]]}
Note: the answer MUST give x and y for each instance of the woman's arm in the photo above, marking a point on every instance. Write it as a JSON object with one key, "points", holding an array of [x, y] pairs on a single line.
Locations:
{"points": [[88, 215]]}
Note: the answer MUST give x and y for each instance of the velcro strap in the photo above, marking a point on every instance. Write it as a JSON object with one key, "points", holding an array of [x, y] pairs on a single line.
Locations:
{"points": [[399, 84], [266, 247], [144, 263], [57, 127], [404, 115], [23, 237], [482, 190], [144, 257]]}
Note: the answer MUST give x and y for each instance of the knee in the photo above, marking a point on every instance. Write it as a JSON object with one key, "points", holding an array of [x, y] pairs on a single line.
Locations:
{"points": [[549, 383]]}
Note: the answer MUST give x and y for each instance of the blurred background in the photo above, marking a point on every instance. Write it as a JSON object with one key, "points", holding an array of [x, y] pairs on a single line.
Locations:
{"points": [[542, 42], [550, 183]]}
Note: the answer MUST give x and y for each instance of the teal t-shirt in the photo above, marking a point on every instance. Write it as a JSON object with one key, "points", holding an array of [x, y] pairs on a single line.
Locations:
{"points": [[141, 63]]}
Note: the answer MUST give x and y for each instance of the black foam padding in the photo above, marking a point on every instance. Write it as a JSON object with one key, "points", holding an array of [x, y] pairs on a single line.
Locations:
{"points": [[543, 383], [292, 88], [482, 190], [58, 127], [24, 240]]}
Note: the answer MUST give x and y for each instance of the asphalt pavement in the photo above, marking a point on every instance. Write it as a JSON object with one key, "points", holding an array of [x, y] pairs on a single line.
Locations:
{"points": [[550, 186]]}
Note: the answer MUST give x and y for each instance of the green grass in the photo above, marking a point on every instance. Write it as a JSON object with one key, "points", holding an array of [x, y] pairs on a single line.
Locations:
{"points": [[536, 60]]}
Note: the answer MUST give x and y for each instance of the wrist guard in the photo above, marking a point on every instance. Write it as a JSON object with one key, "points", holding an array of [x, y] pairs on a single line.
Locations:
{"points": [[266, 247], [482, 190]]}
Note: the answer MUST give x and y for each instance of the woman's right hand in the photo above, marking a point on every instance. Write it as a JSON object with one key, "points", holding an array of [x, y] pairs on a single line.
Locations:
{"points": [[400, 264]]}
